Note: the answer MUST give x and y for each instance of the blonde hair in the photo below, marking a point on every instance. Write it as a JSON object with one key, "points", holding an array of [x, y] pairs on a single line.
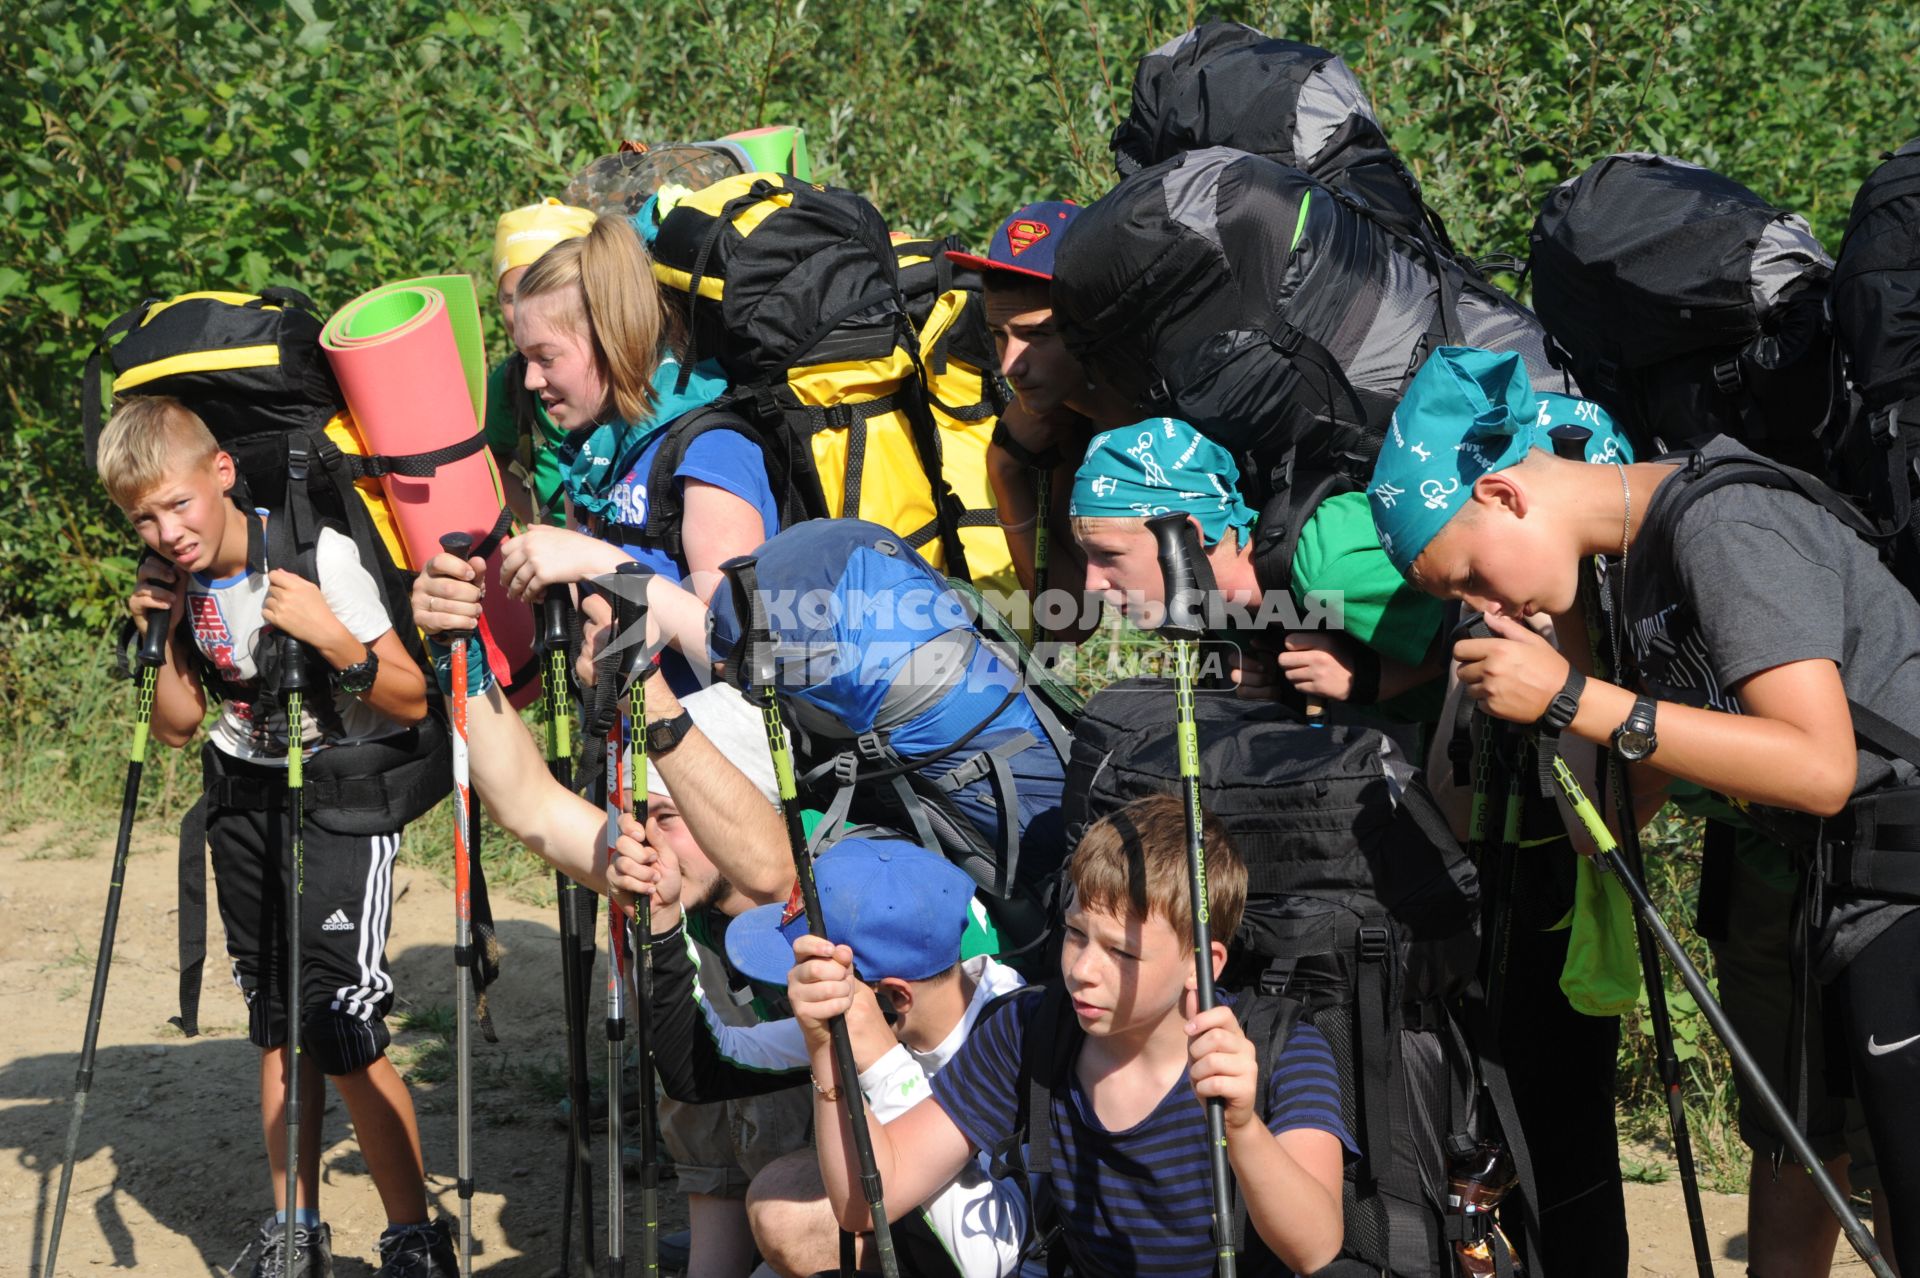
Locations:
{"points": [[148, 438], [1134, 862], [617, 307]]}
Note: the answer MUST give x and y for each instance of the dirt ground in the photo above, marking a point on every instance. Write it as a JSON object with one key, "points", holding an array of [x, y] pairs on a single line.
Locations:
{"points": [[171, 1179]]}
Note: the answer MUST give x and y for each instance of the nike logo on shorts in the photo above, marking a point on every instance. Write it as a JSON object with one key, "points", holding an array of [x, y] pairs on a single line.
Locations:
{"points": [[1881, 1049]]}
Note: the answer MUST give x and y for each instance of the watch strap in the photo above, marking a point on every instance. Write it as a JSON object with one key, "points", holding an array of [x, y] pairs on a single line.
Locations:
{"points": [[665, 735]]}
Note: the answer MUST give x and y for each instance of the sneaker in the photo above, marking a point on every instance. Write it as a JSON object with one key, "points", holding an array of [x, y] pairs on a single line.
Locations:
{"points": [[419, 1251], [264, 1257]]}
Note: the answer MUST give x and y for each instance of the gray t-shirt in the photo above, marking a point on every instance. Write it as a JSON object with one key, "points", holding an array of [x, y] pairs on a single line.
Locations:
{"points": [[1766, 577]]}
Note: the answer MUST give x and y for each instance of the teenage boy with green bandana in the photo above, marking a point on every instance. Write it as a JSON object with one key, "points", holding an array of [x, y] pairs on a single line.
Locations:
{"points": [[1163, 464], [1753, 622]]}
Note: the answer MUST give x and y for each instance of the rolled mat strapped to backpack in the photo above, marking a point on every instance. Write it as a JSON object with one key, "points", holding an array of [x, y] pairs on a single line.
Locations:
{"points": [[408, 357], [1361, 905]]}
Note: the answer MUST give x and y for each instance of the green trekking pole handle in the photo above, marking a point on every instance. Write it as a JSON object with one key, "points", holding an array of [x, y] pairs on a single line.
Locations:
{"points": [[460, 546], [628, 594], [1189, 583], [1696, 984], [293, 685], [754, 666], [152, 654], [555, 633], [1570, 443]]}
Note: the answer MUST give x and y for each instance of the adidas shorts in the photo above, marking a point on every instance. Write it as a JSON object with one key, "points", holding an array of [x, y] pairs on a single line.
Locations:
{"points": [[345, 910]]}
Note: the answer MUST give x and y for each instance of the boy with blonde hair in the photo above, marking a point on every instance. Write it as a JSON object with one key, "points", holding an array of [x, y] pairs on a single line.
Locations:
{"points": [[220, 606]]}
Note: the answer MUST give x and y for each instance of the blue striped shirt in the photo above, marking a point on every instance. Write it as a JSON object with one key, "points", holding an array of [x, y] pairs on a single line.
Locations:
{"points": [[1137, 1201]]}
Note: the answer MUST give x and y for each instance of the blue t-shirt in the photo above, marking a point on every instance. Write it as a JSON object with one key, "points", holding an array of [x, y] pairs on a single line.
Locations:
{"points": [[1138, 1201]]}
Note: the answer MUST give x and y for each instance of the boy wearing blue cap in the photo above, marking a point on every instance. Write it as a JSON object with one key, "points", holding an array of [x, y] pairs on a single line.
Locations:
{"points": [[1129, 1183], [1774, 660], [903, 911]]}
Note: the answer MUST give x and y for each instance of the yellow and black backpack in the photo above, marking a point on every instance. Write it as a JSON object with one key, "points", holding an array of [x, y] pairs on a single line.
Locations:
{"points": [[965, 391], [794, 289]]}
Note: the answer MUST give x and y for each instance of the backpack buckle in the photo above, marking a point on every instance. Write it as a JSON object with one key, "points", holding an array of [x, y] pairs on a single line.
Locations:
{"points": [[1726, 376], [1373, 944], [1289, 339], [872, 745], [1884, 426], [297, 458]]}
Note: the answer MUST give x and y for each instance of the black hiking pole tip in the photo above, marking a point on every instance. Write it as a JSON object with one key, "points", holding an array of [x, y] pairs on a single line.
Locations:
{"points": [[150, 656], [1188, 582], [753, 665]]}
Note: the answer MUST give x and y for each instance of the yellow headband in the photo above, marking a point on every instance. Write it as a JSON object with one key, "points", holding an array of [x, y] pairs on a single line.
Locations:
{"points": [[525, 233]]}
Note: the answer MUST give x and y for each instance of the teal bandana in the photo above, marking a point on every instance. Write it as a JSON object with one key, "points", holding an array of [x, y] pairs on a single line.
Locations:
{"points": [[1156, 466], [594, 459], [1467, 413]]}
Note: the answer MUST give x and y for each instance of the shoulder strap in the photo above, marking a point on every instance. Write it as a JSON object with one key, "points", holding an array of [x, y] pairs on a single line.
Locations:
{"points": [[666, 511], [1268, 1023], [1284, 515], [1046, 1050], [1700, 475]]}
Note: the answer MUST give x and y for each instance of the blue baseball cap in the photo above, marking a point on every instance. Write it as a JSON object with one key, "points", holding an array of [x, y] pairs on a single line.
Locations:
{"points": [[900, 907], [1025, 242]]}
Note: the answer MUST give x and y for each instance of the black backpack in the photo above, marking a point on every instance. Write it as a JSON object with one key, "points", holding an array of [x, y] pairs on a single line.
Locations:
{"points": [[1361, 906], [252, 368], [1875, 304], [1689, 307], [1276, 314], [1228, 84]]}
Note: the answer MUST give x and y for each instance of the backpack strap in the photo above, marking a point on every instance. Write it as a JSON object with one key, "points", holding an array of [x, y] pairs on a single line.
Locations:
{"points": [[1284, 516], [666, 508], [1047, 1050], [1268, 1023], [192, 916], [1376, 1025]]}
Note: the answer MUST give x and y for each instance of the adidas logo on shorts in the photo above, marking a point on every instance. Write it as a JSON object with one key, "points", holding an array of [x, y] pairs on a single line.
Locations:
{"points": [[337, 922]]}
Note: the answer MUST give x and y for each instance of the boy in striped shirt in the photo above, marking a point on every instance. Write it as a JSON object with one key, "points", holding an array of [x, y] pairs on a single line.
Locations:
{"points": [[1128, 1182]]}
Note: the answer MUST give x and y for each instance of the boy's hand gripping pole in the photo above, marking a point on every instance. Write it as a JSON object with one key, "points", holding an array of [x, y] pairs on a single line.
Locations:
{"points": [[575, 904], [1743, 1062], [627, 590], [759, 673], [152, 654], [460, 545], [1188, 580]]}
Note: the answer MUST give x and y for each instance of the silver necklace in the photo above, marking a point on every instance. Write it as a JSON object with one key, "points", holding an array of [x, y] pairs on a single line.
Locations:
{"points": [[1626, 523]]}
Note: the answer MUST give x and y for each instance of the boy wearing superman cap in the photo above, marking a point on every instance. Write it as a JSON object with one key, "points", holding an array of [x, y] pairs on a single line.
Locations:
{"points": [[1770, 658]]}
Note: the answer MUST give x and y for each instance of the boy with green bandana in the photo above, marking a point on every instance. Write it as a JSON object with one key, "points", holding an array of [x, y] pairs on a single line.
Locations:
{"points": [[1340, 578], [1757, 629]]}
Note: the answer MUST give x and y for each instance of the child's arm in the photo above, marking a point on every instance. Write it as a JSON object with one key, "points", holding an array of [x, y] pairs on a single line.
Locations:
{"points": [[1792, 748], [300, 608], [820, 987], [1291, 1182], [179, 702]]}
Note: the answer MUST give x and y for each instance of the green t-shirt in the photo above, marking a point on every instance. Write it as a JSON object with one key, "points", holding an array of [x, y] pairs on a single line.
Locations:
{"points": [[503, 437]]}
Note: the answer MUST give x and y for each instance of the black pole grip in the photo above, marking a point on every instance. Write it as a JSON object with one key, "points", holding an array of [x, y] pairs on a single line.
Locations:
{"points": [[153, 644], [458, 544], [1186, 575], [628, 613], [753, 656], [1472, 626], [1570, 441], [555, 630]]}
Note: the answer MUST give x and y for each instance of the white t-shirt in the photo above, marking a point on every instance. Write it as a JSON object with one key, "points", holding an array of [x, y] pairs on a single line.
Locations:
{"points": [[225, 613]]}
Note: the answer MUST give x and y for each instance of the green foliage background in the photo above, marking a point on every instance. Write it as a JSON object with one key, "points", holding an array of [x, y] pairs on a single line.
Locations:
{"points": [[149, 149]]}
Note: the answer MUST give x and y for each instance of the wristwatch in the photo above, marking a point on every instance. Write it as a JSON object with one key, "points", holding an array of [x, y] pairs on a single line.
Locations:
{"points": [[663, 735], [1565, 703], [358, 678], [1635, 739]]}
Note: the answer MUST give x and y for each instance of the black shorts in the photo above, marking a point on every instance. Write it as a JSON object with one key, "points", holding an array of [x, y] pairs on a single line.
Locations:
{"points": [[346, 904]]}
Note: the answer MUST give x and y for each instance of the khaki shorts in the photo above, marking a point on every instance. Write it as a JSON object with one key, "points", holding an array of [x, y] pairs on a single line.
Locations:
{"points": [[719, 1148], [1756, 989]]}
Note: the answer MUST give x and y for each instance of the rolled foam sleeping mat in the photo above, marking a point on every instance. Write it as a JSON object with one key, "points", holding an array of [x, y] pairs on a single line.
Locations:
{"points": [[410, 359]]}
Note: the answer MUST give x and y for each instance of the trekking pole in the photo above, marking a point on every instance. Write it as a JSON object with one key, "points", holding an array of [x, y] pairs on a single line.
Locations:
{"points": [[555, 632], [1696, 984], [628, 594], [616, 1017], [1570, 442], [756, 653], [460, 545], [293, 684], [151, 656], [1189, 585]]}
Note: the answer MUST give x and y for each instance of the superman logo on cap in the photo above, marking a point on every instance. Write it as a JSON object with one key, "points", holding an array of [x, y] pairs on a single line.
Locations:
{"points": [[1024, 233]]}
